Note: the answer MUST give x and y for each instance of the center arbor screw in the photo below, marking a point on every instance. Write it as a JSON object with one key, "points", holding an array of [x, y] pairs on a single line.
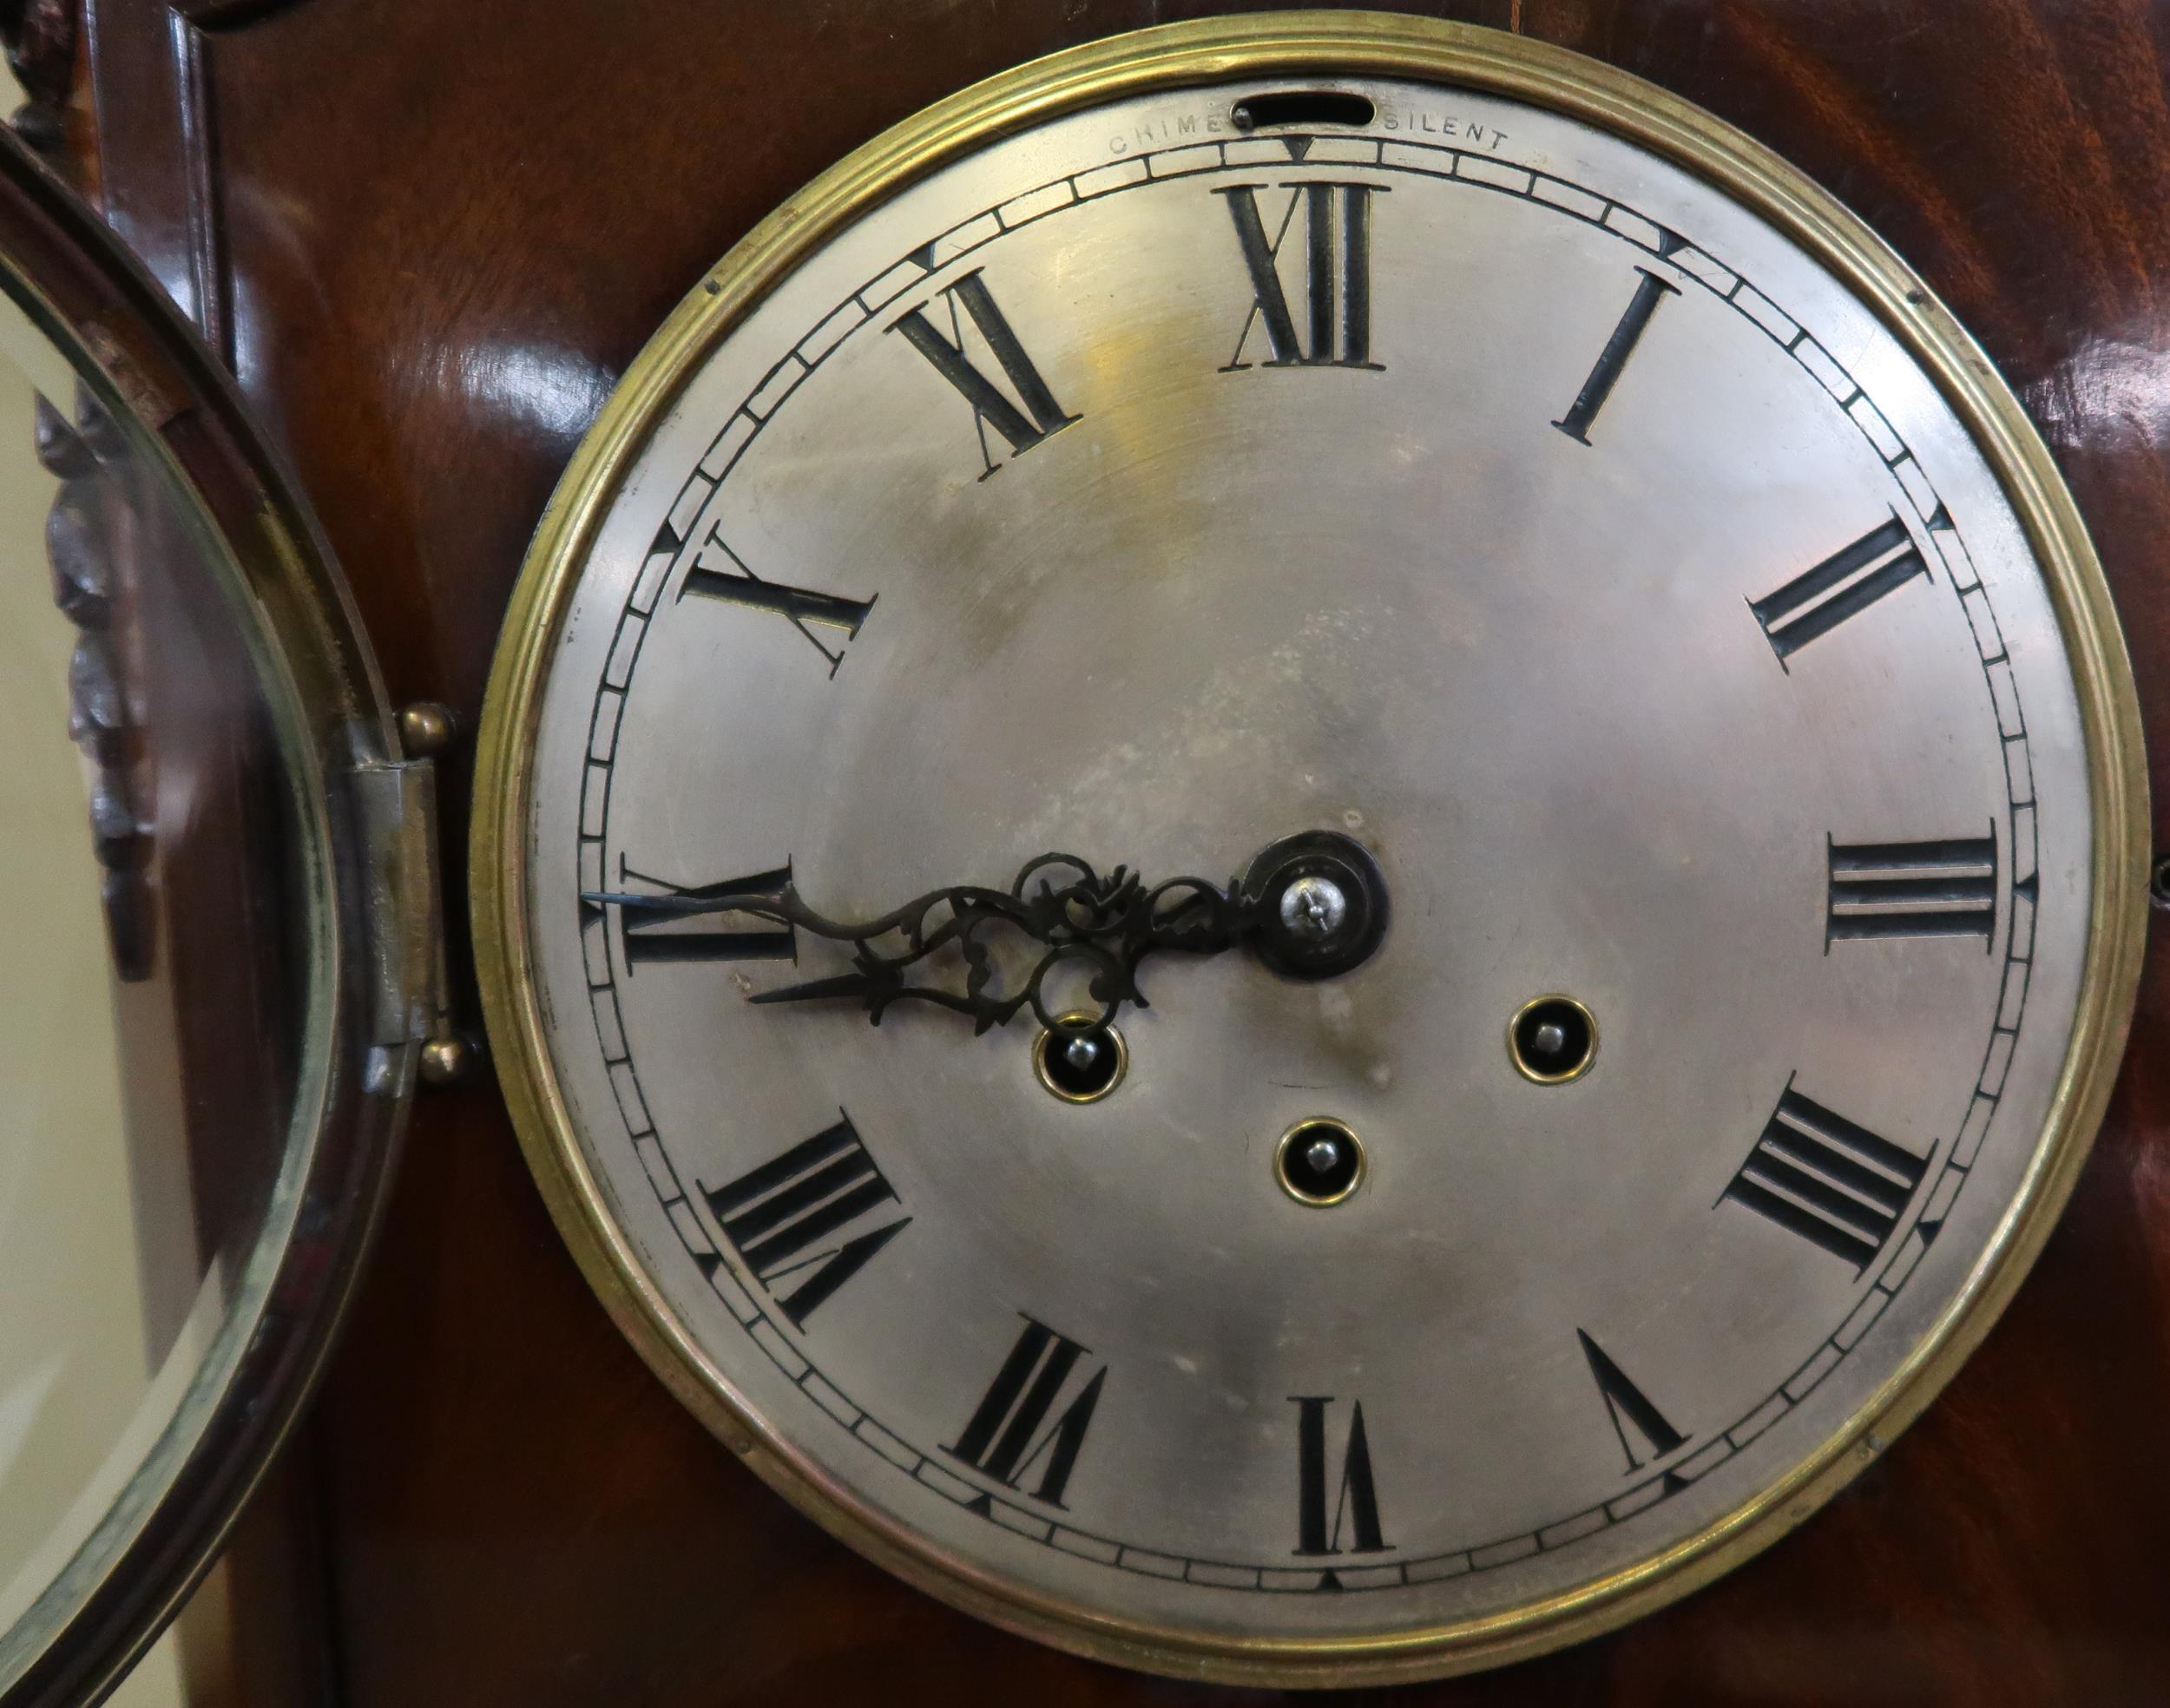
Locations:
{"points": [[1321, 902]]}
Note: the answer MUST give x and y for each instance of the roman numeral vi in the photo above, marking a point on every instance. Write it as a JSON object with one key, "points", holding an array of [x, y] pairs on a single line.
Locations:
{"points": [[1005, 1438], [1356, 1500], [773, 1214], [1337, 275]]}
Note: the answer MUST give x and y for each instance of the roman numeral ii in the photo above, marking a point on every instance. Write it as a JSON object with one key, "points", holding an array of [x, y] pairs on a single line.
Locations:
{"points": [[1843, 585], [1336, 252]]}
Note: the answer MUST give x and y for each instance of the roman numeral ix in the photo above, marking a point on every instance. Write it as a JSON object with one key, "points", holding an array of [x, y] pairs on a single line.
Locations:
{"points": [[720, 573], [1009, 1436], [1337, 275], [1652, 290], [1837, 1186], [1040, 415], [774, 1214], [1843, 585], [1356, 1502], [1913, 890], [1629, 1408], [652, 921]]}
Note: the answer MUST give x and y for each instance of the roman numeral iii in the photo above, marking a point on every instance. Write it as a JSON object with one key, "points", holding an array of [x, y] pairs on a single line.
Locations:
{"points": [[1843, 585], [1816, 1174], [1010, 1435], [1629, 1408], [1337, 251], [1913, 890], [720, 573], [1040, 415], [777, 1216], [1355, 1509]]}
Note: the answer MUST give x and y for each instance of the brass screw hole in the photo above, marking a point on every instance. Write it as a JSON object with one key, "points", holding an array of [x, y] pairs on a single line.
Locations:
{"points": [[1552, 1040]]}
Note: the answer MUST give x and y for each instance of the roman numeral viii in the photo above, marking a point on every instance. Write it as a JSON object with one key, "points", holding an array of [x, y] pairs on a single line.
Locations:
{"points": [[1913, 890], [1356, 1502], [1040, 415], [1837, 1184], [777, 1215], [653, 923], [1008, 1436], [1843, 585], [720, 573], [1337, 275]]}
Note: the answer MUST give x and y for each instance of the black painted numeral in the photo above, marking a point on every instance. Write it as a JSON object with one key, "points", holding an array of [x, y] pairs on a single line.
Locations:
{"points": [[720, 573], [1913, 890], [655, 933], [1652, 290], [1630, 1409], [1006, 1439], [1336, 276], [1837, 1184], [1039, 418], [1355, 1503], [1843, 585], [774, 1214]]}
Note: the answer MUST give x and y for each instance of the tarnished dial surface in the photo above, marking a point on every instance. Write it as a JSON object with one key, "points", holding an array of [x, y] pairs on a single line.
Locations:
{"points": [[1471, 483]]}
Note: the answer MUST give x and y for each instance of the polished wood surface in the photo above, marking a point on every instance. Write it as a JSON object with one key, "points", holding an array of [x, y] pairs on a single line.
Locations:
{"points": [[428, 238]]}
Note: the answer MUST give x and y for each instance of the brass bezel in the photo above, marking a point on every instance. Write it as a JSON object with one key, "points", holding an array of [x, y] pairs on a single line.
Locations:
{"points": [[1047, 1079], [1514, 1049], [1219, 50]]}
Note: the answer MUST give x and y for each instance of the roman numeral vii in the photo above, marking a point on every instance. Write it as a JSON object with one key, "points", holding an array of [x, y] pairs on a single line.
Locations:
{"points": [[1337, 252], [1010, 1435]]}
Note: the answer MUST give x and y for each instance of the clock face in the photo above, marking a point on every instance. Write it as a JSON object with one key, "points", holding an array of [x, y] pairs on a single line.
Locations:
{"points": [[1579, 555]]}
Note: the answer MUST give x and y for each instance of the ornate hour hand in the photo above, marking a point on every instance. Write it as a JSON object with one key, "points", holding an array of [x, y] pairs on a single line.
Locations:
{"points": [[1310, 905]]}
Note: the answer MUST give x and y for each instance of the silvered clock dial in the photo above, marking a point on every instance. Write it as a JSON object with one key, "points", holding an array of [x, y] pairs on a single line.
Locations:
{"points": [[1479, 779]]}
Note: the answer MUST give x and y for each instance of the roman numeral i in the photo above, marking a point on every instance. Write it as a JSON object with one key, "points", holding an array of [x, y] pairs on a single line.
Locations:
{"points": [[1040, 415], [1006, 1439], [773, 1214], [1836, 1185], [1337, 275]]}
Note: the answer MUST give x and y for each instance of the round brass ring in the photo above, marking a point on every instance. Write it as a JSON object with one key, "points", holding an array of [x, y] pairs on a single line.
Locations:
{"points": [[1040, 1061], [1514, 1047], [1317, 1200]]}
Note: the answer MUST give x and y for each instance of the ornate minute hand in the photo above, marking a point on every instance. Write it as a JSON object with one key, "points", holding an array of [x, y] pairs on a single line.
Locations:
{"points": [[1311, 906]]}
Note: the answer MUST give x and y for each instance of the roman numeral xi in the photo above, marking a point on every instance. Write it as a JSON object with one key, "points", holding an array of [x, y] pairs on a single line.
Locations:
{"points": [[1035, 415], [1336, 252], [1837, 1186], [777, 1218], [1010, 1435]]}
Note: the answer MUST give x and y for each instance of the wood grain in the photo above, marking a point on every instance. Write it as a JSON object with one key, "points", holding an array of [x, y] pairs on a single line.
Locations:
{"points": [[437, 243]]}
